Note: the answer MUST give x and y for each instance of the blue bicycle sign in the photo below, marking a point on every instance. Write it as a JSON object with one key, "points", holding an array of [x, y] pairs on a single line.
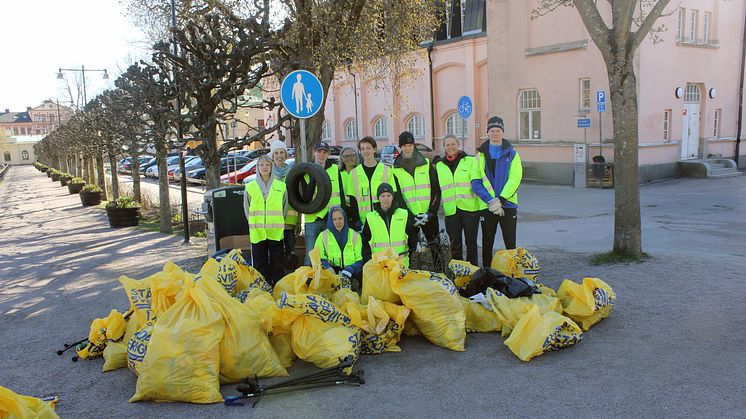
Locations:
{"points": [[464, 106]]}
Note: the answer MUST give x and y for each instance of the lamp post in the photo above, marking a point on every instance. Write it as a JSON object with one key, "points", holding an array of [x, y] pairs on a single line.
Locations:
{"points": [[82, 70]]}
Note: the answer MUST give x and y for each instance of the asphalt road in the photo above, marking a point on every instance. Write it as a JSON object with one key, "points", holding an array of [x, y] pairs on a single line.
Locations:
{"points": [[150, 186], [673, 346]]}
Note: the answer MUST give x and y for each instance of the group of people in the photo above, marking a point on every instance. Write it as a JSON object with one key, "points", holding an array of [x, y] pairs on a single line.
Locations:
{"points": [[374, 206]]}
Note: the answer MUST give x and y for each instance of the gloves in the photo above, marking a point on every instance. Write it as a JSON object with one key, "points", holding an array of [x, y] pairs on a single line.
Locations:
{"points": [[500, 212], [481, 299], [345, 273], [494, 204], [419, 220]]}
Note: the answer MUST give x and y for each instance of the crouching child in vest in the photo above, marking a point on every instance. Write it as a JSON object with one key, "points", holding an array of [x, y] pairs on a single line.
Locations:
{"points": [[388, 227], [265, 206], [341, 248]]}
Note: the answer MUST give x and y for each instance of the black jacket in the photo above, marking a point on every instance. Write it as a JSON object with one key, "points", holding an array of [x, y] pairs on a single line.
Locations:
{"points": [[434, 184], [410, 229]]}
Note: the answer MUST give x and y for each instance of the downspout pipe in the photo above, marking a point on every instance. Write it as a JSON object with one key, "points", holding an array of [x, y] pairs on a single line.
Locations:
{"points": [[432, 103], [740, 93]]}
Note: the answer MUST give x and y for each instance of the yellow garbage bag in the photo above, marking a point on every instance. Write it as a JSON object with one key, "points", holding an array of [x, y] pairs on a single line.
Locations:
{"points": [[314, 306], [140, 297], [106, 329], [462, 271], [537, 333], [510, 310], [344, 296], [309, 280], [245, 349], [283, 346], [246, 276], [436, 306], [377, 274], [586, 303], [381, 324], [182, 362], [165, 289], [324, 344], [115, 356], [13, 405], [479, 319], [517, 263], [137, 347]]}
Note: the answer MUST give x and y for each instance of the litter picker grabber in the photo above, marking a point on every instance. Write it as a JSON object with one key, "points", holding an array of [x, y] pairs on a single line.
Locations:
{"points": [[251, 388]]}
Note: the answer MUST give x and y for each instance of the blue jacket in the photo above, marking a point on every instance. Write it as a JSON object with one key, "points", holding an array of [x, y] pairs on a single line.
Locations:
{"points": [[504, 174]]}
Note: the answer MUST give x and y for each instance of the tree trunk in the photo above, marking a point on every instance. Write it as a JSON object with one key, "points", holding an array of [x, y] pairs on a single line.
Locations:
{"points": [[101, 176], [89, 173], [161, 152], [211, 160], [114, 176], [623, 89], [136, 175]]}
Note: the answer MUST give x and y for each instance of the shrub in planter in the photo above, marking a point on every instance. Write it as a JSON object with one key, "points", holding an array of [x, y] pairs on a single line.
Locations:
{"points": [[64, 178], [75, 184], [50, 171], [123, 212], [43, 168], [56, 176], [90, 195]]}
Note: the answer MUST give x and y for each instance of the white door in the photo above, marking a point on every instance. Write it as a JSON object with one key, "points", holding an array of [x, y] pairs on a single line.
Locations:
{"points": [[690, 123]]}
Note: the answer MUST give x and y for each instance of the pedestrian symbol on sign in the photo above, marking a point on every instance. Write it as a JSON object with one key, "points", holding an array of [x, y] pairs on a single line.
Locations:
{"points": [[301, 94]]}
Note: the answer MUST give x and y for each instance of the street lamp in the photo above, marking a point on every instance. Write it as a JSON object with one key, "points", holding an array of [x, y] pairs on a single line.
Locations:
{"points": [[82, 70]]}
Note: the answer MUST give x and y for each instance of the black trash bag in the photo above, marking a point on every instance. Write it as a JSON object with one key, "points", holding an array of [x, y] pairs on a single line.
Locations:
{"points": [[485, 278]]}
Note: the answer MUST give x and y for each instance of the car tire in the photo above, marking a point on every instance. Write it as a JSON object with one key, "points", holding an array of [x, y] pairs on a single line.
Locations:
{"points": [[323, 187]]}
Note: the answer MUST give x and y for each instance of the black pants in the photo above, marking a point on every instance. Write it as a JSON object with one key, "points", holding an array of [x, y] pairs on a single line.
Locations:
{"points": [[431, 230], [508, 223], [266, 257], [463, 223], [288, 240]]}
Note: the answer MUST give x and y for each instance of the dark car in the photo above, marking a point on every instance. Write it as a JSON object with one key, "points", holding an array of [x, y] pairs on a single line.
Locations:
{"points": [[150, 163], [126, 164], [227, 164], [390, 152]]}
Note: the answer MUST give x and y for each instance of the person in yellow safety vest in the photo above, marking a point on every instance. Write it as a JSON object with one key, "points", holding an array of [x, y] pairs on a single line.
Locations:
{"points": [[364, 182], [388, 227], [499, 174], [461, 206], [280, 168], [348, 161], [418, 190], [341, 248], [316, 222], [265, 206]]}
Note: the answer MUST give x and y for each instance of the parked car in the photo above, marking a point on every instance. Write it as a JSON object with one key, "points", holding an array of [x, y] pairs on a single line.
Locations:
{"points": [[390, 152], [150, 163], [190, 163], [252, 175], [152, 171], [226, 164], [240, 174]]}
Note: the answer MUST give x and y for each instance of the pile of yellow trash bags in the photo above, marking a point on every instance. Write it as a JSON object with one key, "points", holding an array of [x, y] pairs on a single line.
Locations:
{"points": [[185, 334], [13, 405]]}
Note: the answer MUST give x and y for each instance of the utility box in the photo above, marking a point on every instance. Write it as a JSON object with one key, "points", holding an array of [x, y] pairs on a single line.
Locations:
{"points": [[580, 165], [227, 227]]}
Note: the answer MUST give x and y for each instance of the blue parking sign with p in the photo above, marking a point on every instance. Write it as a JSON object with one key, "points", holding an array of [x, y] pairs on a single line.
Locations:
{"points": [[601, 97], [301, 94]]}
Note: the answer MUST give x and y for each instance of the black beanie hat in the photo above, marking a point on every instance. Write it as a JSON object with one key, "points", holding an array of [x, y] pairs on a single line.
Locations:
{"points": [[406, 137], [495, 121], [384, 187]]}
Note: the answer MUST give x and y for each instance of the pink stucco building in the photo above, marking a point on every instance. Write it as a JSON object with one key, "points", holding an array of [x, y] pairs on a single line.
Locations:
{"points": [[542, 75]]}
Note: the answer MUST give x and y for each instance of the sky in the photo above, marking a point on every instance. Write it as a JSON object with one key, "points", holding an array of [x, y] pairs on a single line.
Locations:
{"points": [[40, 36]]}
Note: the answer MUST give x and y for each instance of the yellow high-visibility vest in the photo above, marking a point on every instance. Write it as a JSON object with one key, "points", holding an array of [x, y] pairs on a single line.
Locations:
{"points": [[365, 190], [415, 190], [394, 237], [266, 218], [455, 187]]}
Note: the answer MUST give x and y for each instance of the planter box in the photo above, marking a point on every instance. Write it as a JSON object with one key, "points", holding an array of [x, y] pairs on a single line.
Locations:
{"points": [[49, 174], [75, 187], [90, 198], [64, 180], [56, 177], [44, 169], [123, 217]]}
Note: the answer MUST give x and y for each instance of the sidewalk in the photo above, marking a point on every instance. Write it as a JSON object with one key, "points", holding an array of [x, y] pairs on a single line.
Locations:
{"points": [[672, 347]]}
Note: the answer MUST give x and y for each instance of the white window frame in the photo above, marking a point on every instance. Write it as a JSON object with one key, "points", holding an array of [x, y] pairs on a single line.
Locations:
{"points": [[692, 93], [667, 125], [351, 129], [455, 125], [706, 21], [380, 128], [584, 98], [717, 123], [25, 155], [326, 131], [682, 24], [529, 103], [694, 18], [416, 125]]}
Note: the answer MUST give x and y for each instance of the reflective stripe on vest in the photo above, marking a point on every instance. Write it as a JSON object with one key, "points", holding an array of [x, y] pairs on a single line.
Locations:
{"points": [[365, 190], [394, 237], [455, 188], [266, 219], [338, 259], [333, 172], [415, 190]]}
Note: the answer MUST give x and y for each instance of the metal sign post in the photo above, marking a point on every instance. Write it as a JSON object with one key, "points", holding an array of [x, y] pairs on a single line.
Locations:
{"points": [[600, 107], [465, 108], [302, 96]]}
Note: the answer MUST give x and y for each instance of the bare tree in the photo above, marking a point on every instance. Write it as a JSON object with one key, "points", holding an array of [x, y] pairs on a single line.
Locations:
{"points": [[631, 22]]}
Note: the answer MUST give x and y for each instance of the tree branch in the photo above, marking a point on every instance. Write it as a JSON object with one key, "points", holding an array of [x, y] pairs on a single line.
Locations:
{"points": [[649, 21], [595, 25]]}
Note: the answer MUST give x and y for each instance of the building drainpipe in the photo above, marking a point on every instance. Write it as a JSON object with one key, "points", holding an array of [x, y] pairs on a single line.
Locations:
{"points": [[740, 93], [432, 103], [354, 91]]}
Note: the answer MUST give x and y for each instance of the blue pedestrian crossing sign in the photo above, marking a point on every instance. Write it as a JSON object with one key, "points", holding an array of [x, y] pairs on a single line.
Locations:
{"points": [[464, 107], [301, 94]]}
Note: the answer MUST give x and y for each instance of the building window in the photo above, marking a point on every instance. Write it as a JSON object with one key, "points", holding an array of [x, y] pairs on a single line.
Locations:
{"points": [[15, 130], [529, 108], [680, 30], [460, 17], [24, 155], [455, 125], [380, 128], [693, 18], [6, 156], [667, 125], [706, 27], [585, 95], [692, 94], [351, 130], [416, 125], [716, 125], [326, 131]]}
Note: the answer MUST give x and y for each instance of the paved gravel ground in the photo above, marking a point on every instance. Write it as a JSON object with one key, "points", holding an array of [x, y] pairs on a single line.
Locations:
{"points": [[674, 345]]}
